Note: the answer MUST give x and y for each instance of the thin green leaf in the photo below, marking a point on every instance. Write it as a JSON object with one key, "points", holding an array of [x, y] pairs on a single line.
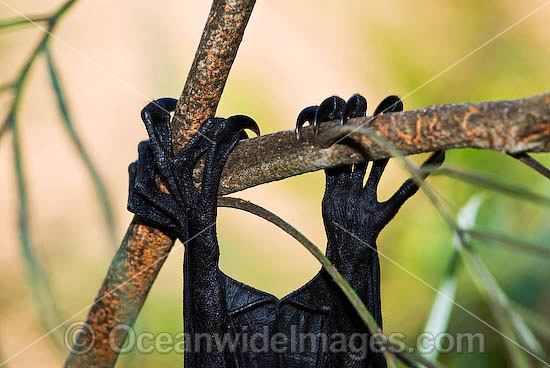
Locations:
{"points": [[20, 80], [537, 322], [489, 286], [509, 324], [536, 249], [401, 351], [92, 171], [440, 314], [492, 184], [7, 23], [63, 9], [6, 87], [17, 86], [52, 19], [392, 361], [6, 125], [485, 281], [48, 311]]}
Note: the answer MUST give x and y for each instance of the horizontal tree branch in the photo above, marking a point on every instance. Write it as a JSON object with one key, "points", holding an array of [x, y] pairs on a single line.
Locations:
{"points": [[506, 126]]}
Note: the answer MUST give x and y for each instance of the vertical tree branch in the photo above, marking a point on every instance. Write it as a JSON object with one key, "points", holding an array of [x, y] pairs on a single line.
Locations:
{"points": [[219, 44], [144, 248]]}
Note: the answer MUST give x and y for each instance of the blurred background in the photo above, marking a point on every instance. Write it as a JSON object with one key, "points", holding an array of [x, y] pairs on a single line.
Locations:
{"points": [[115, 56]]}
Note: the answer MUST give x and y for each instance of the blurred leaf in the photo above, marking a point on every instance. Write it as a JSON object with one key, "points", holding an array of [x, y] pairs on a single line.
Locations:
{"points": [[510, 242], [440, 314], [48, 312], [467, 216], [6, 87], [7, 23], [392, 361], [493, 184], [94, 174], [489, 287], [537, 322]]}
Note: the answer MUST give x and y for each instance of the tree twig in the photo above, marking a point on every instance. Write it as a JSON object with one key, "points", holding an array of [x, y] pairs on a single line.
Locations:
{"points": [[505, 126], [203, 89]]}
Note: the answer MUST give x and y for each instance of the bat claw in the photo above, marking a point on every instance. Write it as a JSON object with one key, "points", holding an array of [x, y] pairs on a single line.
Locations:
{"points": [[306, 115], [238, 123], [179, 199], [391, 103], [355, 107], [330, 109]]}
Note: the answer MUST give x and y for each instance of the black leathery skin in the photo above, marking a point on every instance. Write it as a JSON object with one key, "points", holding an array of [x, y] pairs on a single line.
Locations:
{"points": [[216, 305]]}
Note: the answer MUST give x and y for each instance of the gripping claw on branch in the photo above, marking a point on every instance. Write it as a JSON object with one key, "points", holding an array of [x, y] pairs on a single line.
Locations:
{"points": [[180, 200], [355, 107], [391, 103], [238, 123], [306, 115], [330, 109]]}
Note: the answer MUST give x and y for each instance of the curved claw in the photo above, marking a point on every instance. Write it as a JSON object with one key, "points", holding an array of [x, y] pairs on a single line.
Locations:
{"points": [[166, 103], [307, 114], [330, 108], [156, 117], [355, 107], [391, 103], [238, 123], [158, 108]]}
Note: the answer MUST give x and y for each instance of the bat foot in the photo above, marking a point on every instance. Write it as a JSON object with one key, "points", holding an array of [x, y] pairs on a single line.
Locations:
{"points": [[162, 189]]}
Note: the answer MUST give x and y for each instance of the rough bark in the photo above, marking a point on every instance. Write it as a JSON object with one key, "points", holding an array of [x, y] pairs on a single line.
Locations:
{"points": [[220, 41], [505, 126]]}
